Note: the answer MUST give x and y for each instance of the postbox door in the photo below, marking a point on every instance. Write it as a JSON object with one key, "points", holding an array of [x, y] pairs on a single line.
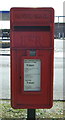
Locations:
{"points": [[29, 90]]}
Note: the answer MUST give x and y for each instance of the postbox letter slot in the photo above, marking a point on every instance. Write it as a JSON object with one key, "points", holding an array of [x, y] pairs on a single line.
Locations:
{"points": [[32, 28]]}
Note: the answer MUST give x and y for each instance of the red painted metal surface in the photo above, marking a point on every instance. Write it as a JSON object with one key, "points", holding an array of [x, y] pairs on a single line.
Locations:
{"points": [[32, 30]]}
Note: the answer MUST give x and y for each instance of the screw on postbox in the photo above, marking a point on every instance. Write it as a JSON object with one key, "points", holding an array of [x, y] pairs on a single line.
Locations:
{"points": [[32, 57]]}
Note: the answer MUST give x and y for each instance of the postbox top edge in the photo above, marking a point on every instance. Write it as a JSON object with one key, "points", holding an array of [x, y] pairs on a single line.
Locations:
{"points": [[32, 8]]}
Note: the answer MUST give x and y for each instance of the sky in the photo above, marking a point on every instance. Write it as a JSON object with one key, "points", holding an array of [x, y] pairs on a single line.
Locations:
{"points": [[56, 4], [6, 5]]}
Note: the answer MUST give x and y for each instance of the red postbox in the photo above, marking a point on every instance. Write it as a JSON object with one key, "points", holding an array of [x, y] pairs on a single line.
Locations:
{"points": [[32, 52]]}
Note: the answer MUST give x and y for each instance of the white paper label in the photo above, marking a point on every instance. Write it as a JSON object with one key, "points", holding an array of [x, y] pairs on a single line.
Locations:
{"points": [[32, 74]]}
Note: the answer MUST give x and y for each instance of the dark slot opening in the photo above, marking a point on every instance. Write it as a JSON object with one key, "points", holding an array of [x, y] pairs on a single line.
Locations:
{"points": [[31, 28]]}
